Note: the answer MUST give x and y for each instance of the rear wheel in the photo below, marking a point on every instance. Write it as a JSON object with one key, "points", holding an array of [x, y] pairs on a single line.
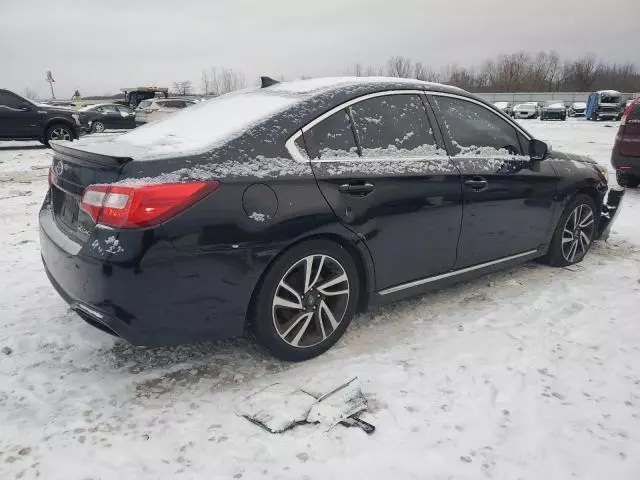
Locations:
{"points": [[97, 127], [306, 300], [574, 233], [58, 132]]}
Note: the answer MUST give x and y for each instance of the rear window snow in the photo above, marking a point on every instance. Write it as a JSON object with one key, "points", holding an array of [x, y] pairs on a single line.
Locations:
{"points": [[205, 124], [193, 130]]}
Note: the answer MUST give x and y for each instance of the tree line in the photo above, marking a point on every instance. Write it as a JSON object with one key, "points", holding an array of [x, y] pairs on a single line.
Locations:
{"points": [[517, 72]]}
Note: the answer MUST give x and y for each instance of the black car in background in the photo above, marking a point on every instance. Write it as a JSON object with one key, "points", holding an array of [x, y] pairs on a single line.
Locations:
{"points": [[97, 118], [302, 203], [21, 119]]}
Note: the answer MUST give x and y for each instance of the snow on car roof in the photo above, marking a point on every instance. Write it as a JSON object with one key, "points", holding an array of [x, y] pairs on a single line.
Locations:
{"points": [[326, 83], [609, 92]]}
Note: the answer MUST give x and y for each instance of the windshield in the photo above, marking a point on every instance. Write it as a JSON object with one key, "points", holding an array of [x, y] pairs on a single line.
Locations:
{"points": [[145, 104]]}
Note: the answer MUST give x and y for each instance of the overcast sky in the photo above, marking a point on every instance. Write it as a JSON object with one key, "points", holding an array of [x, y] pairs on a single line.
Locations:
{"points": [[100, 46]]}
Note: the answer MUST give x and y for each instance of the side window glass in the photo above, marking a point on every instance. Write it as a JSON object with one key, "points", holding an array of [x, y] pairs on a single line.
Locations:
{"points": [[110, 108], [475, 130], [393, 125], [10, 101], [331, 138]]}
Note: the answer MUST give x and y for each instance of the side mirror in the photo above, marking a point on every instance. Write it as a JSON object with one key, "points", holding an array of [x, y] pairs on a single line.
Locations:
{"points": [[538, 150]]}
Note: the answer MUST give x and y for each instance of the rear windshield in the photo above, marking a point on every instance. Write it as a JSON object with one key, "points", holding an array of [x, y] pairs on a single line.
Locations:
{"points": [[206, 124], [609, 99]]}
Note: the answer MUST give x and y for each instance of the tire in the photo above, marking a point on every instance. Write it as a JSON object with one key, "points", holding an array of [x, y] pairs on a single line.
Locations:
{"points": [[626, 180], [562, 251], [294, 325], [97, 127], [58, 131]]}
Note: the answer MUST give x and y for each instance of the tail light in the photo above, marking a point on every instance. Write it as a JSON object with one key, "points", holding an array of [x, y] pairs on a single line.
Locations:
{"points": [[139, 206], [627, 111], [50, 177]]}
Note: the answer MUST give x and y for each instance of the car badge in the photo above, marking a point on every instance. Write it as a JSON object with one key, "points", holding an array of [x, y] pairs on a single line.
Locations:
{"points": [[58, 168]]}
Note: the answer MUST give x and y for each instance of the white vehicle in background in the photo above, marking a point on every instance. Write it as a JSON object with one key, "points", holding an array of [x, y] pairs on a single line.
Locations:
{"points": [[577, 109], [505, 107], [158, 108], [526, 110]]}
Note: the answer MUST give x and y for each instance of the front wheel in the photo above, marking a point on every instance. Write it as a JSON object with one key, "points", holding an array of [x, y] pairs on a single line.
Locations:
{"points": [[306, 300], [574, 233], [58, 132], [97, 127]]}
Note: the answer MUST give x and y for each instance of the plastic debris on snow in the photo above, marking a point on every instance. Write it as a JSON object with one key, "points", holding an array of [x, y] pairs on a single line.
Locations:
{"points": [[278, 408]]}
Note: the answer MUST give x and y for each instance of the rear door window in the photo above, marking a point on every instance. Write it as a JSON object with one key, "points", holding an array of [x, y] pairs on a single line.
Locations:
{"points": [[475, 130], [393, 126], [332, 137]]}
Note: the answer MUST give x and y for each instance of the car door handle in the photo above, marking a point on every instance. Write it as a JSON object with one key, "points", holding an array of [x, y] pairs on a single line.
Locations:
{"points": [[360, 189], [477, 184]]}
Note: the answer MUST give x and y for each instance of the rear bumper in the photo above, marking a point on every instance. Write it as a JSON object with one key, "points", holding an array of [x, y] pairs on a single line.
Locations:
{"points": [[610, 210], [625, 164], [158, 295], [553, 115]]}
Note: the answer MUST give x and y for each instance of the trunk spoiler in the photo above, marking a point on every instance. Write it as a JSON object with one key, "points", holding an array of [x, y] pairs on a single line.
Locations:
{"points": [[109, 160]]}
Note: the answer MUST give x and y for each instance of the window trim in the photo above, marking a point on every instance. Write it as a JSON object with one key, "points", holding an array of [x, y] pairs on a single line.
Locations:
{"points": [[302, 157]]}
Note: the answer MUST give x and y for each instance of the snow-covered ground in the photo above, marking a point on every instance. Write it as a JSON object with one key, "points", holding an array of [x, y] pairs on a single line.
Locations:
{"points": [[530, 373]]}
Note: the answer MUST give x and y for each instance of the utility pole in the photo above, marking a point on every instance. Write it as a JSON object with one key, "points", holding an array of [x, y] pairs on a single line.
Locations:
{"points": [[51, 82]]}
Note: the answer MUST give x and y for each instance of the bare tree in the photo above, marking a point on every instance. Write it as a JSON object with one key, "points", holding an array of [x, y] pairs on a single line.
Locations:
{"points": [[183, 87], [30, 94], [225, 80], [206, 82], [421, 72], [356, 70], [399, 67], [374, 71]]}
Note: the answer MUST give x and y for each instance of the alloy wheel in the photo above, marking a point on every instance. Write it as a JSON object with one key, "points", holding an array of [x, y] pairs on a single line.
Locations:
{"points": [[310, 301], [578, 233], [60, 133], [98, 127]]}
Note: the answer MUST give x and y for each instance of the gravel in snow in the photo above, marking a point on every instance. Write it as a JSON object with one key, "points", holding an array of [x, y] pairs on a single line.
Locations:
{"points": [[530, 373]]}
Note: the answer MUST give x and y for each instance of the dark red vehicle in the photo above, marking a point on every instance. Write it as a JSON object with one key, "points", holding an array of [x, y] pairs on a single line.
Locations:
{"points": [[625, 157]]}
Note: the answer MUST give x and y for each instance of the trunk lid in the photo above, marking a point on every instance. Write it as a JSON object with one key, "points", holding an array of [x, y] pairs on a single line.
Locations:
{"points": [[72, 171]]}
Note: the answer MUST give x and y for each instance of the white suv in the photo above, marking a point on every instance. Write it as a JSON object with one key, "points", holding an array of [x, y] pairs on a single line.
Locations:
{"points": [[157, 108]]}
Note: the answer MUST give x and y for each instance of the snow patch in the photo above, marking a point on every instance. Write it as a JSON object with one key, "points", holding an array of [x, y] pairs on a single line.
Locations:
{"points": [[258, 217]]}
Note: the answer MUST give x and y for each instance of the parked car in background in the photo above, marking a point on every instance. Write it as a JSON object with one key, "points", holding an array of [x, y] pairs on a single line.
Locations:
{"points": [[605, 105], [97, 118], [21, 119], [285, 210], [134, 95], [505, 107], [525, 110], [577, 109], [625, 157], [553, 110], [157, 108], [71, 104]]}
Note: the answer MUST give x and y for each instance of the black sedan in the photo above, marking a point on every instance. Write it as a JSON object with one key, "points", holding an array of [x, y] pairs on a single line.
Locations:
{"points": [[100, 117], [303, 203]]}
